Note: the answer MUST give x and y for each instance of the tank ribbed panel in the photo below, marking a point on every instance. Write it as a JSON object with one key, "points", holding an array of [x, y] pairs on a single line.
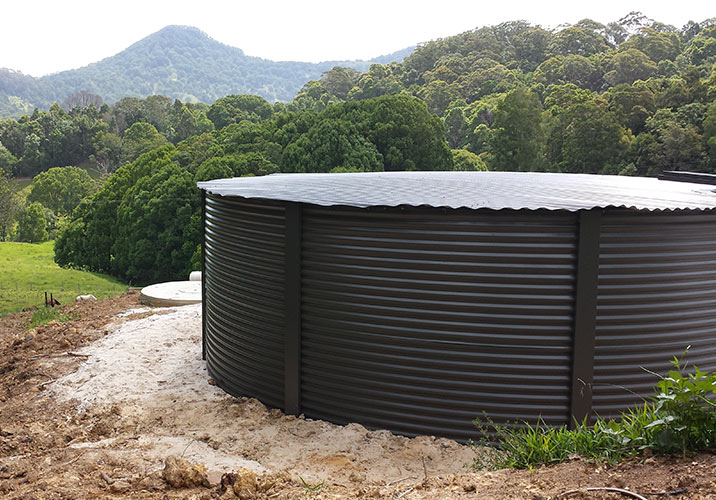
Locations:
{"points": [[420, 320], [245, 274], [657, 296]]}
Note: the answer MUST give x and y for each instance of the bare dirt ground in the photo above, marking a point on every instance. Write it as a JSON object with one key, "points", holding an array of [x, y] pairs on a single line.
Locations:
{"points": [[116, 403]]}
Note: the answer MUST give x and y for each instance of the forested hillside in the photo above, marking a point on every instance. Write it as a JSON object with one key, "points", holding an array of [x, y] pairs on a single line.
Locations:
{"points": [[143, 224], [632, 98], [179, 62], [585, 98]]}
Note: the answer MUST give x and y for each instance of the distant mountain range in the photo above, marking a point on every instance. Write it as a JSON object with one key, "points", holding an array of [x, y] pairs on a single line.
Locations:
{"points": [[178, 61]]}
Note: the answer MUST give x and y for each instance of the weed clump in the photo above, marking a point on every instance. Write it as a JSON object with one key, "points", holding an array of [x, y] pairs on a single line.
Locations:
{"points": [[679, 418], [44, 315]]}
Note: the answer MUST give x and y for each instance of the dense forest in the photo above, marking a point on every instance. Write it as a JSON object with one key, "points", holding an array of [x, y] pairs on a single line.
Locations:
{"points": [[143, 224], [631, 98], [586, 98], [179, 62]]}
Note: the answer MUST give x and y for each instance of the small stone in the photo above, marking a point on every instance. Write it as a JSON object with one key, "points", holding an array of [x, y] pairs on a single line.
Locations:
{"points": [[245, 484], [214, 478], [120, 486], [357, 476], [151, 482], [212, 381], [29, 337], [180, 473]]}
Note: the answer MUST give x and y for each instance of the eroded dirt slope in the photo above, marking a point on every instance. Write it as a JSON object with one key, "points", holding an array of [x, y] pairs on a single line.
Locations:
{"points": [[97, 406]]}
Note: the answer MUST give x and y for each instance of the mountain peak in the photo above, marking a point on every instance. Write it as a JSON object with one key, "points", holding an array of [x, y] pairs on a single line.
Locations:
{"points": [[178, 61], [181, 28], [178, 35]]}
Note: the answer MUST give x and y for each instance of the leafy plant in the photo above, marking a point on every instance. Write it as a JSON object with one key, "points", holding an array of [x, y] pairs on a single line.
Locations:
{"points": [[681, 417], [312, 487], [687, 417], [45, 315]]}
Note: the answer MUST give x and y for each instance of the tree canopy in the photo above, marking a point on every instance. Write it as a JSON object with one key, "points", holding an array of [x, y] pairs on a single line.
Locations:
{"points": [[61, 188], [587, 98], [143, 224]]}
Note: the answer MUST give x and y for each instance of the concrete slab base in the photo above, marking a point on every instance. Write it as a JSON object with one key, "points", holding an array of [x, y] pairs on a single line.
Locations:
{"points": [[172, 293]]}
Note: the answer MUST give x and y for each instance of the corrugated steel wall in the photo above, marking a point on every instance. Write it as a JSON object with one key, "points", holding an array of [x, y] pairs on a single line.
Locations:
{"points": [[656, 296], [418, 321], [244, 307]]}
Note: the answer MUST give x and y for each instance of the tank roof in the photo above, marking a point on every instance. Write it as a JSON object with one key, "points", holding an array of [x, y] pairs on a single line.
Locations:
{"points": [[473, 190]]}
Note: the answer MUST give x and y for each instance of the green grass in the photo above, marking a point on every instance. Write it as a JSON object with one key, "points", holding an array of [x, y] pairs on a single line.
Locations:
{"points": [[679, 418], [28, 270], [44, 315]]}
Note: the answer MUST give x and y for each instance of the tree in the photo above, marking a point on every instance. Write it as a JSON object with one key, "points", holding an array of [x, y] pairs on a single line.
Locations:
{"points": [[560, 97], [702, 48], [583, 39], [61, 188], [235, 108], [214, 168], [140, 138], [379, 80], [87, 240], [438, 95], [592, 139], [456, 125], [670, 144], [332, 143], [82, 99], [406, 134], [657, 45], [486, 76], [628, 66], [517, 137], [465, 160], [339, 81], [33, 157], [7, 160], [107, 153], [157, 227], [574, 68], [9, 206], [531, 47], [710, 135], [632, 105], [32, 224]]}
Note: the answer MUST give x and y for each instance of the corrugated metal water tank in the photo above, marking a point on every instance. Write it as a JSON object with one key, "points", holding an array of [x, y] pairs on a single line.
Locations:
{"points": [[416, 301]]}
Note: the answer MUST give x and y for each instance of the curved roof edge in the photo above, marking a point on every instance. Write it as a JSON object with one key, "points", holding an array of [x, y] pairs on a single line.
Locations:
{"points": [[473, 190]]}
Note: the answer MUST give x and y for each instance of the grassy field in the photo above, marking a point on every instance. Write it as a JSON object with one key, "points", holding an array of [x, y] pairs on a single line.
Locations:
{"points": [[28, 270]]}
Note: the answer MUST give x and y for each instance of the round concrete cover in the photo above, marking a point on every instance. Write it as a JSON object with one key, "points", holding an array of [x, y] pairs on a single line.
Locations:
{"points": [[172, 293]]}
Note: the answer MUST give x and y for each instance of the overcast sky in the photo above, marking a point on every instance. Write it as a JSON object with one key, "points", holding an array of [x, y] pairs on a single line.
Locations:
{"points": [[45, 36]]}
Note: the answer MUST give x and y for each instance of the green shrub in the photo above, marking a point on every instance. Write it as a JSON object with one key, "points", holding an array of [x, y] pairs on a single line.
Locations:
{"points": [[32, 226], [686, 416], [681, 417]]}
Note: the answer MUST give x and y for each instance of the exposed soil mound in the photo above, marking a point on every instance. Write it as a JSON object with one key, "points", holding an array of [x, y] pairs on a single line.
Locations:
{"points": [[116, 403]]}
